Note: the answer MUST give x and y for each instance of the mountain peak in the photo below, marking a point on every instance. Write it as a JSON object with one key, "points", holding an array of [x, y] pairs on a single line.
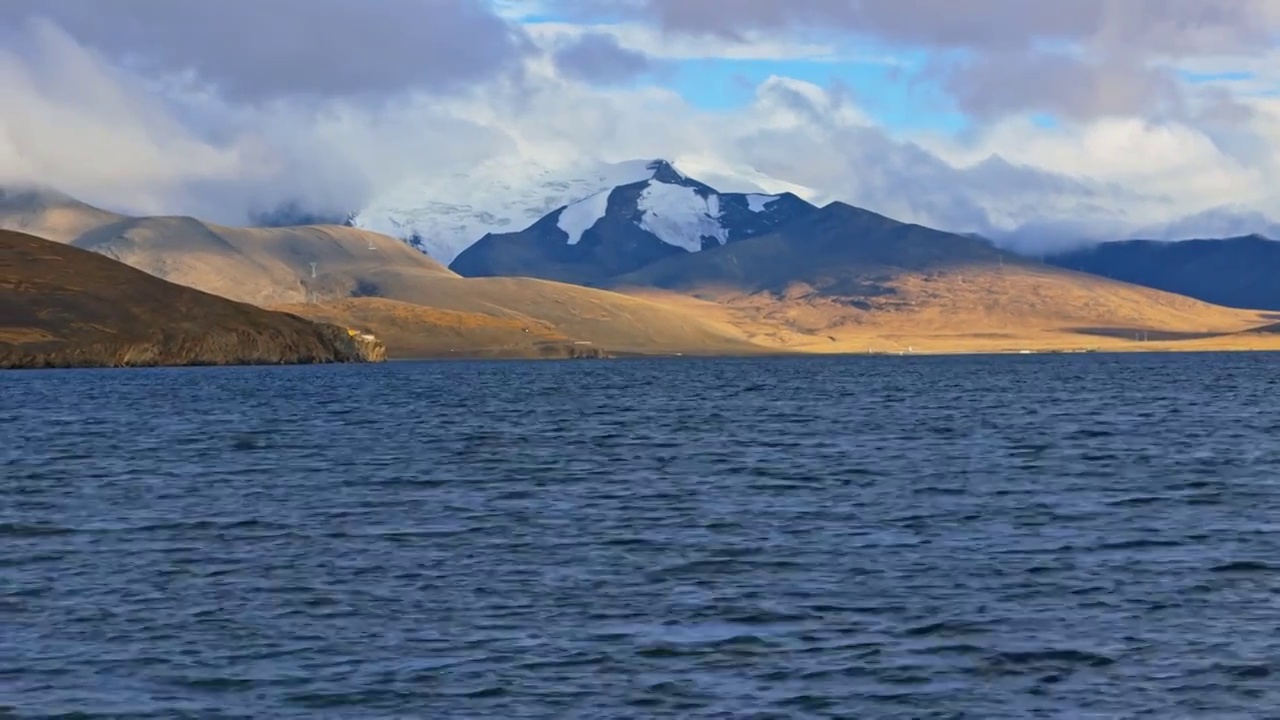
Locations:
{"points": [[654, 213], [665, 172]]}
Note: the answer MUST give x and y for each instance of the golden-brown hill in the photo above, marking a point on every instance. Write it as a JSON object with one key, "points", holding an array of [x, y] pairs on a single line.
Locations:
{"points": [[49, 214], [263, 266], [418, 331], [64, 307]]}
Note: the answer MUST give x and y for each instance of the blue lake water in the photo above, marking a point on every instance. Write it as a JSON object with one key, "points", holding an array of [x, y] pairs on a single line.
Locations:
{"points": [[985, 537]]}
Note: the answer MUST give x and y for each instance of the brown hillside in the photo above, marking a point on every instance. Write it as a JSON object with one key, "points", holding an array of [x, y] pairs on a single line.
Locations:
{"points": [[613, 322], [848, 280], [263, 266], [415, 331], [50, 214], [61, 306]]}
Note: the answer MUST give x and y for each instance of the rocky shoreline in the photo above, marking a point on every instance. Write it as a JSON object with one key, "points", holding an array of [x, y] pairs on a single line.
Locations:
{"points": [[237, 347]]}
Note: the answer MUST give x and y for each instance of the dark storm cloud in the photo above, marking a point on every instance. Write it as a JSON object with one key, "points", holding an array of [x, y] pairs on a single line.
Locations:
{"points": [[256, 49], [598, 58]]}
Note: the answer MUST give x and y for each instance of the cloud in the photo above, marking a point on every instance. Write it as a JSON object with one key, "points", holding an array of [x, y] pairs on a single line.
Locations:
{"points": [[1083, 58], [76, 121], [999, 84], [599, 58], [652, 41], [259, 50], [72, 121], [118, 132], [1173, 26]]}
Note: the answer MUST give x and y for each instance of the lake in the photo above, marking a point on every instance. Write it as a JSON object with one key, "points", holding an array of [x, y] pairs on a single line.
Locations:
{"points": [[1071, 536]]}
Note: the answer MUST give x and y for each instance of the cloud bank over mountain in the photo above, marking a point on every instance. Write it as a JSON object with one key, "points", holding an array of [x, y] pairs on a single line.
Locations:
{"points": [[1063, 120]]}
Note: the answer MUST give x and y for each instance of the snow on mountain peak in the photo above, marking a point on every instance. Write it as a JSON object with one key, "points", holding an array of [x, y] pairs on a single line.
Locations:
{"points": [[681, 216], [757, 203], [663, 201], [578, 217], [673, 207]]}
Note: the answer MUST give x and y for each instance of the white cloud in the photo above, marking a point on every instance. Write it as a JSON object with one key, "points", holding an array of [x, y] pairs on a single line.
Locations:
{"points": [[655, 43], [72, 121]]}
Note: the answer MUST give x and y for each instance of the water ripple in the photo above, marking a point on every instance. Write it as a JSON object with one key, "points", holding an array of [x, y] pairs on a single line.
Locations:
{"points": [[1074, 536]]}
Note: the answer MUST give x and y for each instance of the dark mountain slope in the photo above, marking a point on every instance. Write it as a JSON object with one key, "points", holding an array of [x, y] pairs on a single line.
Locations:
{"points": [[838, 250], [1236, 272]]}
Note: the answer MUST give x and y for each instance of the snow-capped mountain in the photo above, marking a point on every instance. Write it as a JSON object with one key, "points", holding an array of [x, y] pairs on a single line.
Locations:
{"points": [[622, 228], [446, 214]]}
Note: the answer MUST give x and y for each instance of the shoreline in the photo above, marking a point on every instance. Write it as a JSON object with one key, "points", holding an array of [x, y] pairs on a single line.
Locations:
{"points": [[779, 354], [516, 354]]}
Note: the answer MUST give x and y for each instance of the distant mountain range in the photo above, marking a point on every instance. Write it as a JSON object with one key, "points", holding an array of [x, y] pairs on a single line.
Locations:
{"points": [[656, 261], [593, 222], [642, 228]]}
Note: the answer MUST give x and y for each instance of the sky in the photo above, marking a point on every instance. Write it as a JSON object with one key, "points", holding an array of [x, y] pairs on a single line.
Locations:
{"points": [[1039, 123]]}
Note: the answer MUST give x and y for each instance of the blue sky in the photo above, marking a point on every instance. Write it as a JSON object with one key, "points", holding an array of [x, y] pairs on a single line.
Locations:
{"points": [[883, 91]]}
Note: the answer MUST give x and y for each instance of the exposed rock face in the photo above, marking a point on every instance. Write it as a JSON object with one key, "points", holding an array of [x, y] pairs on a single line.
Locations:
{"points": [[65, 307]]}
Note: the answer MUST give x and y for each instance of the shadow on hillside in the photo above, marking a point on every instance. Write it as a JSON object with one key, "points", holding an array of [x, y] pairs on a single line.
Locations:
{"points": [[1270, 329], [1146, 335]]}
